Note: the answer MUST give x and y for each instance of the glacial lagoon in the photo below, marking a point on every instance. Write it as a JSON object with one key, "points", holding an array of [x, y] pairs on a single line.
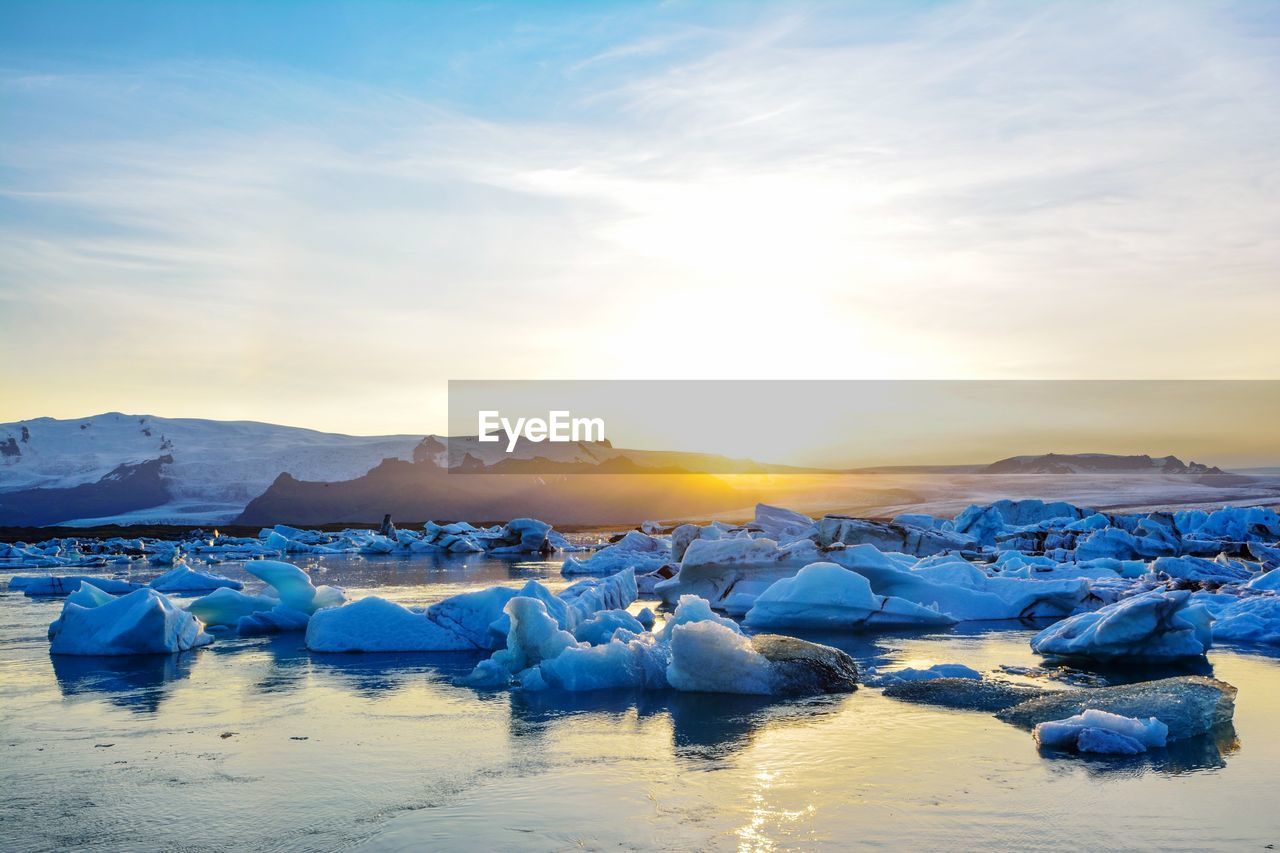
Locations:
{"points": [[259, 744]]}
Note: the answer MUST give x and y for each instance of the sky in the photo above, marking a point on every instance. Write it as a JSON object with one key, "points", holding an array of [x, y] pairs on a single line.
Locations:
{"points": [[318, 213]]}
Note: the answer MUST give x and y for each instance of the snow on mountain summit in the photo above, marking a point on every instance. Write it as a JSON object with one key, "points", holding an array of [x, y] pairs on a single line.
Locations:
{"points": [[210, 469]]}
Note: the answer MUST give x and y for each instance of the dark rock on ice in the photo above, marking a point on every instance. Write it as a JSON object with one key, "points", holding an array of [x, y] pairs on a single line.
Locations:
{"points": [[1189, 705], [963, 693], [802, 668]]}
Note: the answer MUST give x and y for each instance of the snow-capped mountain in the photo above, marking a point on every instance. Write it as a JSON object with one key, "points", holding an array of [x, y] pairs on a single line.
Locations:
{"points": [[206, 471]]}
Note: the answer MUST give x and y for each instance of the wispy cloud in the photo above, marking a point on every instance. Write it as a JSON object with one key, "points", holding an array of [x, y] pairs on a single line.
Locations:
{"points": [[978, 189]]}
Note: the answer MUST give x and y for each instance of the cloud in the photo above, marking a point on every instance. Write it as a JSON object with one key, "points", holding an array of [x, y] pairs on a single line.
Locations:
{"points": [[977, 189]]}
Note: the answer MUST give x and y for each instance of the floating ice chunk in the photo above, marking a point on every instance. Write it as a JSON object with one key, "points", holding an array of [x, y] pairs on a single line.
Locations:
{"points": [[986, 522], [646, 618], [960, 590], [374, 624], [586, 597], [1255, 619], [599, 627], [56, 585], [900, 538], [691, 609], [714, 568], [782, 525], [636, 550], [1120, 544], [1266, 580], [521, 536], [1267, 555], [89, 595], [938, 670], [920, 519], [1107, 742], [556, 607], [1200, 569], [637, 661], [281, 619], [1100, 731], [140, 623], [293, 586], [182, 578], [1189, 705], [707, 657], [470, 614], [1157, 625], [826, 595], [229, 606], [1242, 524], [534, 636], [488, 675]]}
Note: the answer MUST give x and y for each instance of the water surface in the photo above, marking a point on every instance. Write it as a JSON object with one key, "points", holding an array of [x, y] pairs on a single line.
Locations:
{"points": [[258, 744]]}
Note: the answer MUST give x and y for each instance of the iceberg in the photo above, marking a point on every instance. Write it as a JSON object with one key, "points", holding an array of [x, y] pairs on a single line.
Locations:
{"points": [[693, 609], [293, 586], [57, 585], [874, 678], [987, 522], [627, 661], [1255, 619], [1269, 580], [829, 596], [280, 619], [589, 596], [1099, 731], [707, 657], [1153, 626], [534, 636], [183, 578], [1200, 570], [89, 595], [900, 538], [636, 550], [469, 614], [1189, 705], [228, 606], [143, 622], [374, 624], [1120, 544], [600, 626], [961, 590], [782, 525], [716, 568], [521, 536]]}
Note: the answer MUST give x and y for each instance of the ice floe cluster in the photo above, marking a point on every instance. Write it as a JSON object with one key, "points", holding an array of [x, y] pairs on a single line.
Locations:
{"points": [[521, 536], [1116, 588], [1142, 586]]}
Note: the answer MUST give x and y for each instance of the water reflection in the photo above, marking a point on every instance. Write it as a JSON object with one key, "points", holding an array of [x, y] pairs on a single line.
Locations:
{"points": [[371, 675], [703, 725], [139, 683], [1207, 752], [1122, 673]]}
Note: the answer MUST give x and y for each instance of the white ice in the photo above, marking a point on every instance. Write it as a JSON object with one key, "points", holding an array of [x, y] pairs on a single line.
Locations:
{"points": [[829, 596], [142, 622], [1157, 625], [182, 578], [374, 624], [1099, 731]]}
